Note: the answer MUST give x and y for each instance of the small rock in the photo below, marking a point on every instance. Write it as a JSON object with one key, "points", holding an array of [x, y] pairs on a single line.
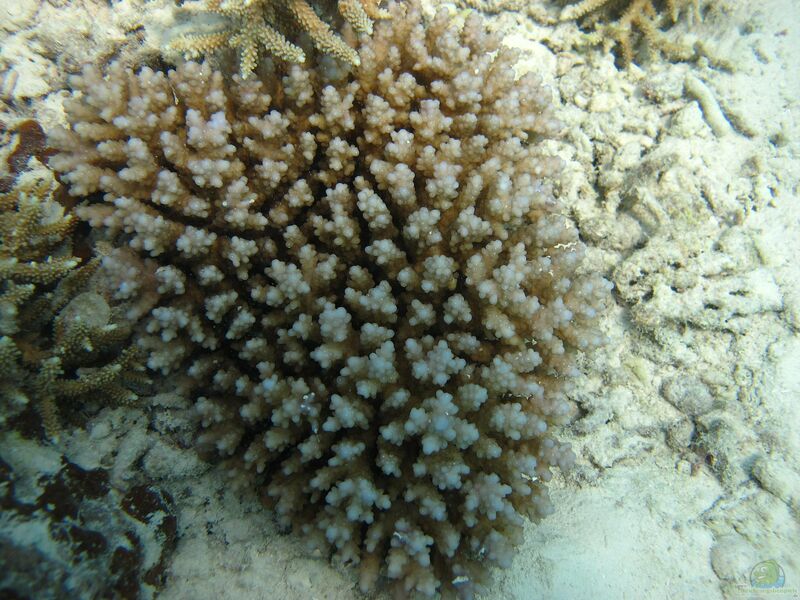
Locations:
{"points": [[688, 394], [603, 102], [679, 434], [688, 122]]}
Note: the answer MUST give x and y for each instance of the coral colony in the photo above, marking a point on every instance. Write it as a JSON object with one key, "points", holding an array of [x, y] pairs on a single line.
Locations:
{"points": [[365, 273], [59, 341], [254, 25], [624, 23]]}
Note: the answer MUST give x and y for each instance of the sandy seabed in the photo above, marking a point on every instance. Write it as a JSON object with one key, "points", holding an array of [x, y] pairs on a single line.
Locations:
{"points": [[683, 178]]}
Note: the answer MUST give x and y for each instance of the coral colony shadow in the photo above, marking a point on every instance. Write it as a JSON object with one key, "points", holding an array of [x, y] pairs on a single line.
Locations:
{"points": [[366, 275]]}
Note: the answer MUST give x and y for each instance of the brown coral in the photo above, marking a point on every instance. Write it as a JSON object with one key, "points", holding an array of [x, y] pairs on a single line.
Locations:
{"points": [[368, 279], [58, 341], [624, 22], [257, 24]]}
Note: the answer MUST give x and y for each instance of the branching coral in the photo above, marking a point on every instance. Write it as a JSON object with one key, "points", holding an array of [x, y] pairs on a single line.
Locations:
{"points": [[621, 22], [58, 340], [257, 24], [368, 279]]}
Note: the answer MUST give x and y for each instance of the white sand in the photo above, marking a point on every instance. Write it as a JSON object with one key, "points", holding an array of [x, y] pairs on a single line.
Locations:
{"points": [[686, 430]]}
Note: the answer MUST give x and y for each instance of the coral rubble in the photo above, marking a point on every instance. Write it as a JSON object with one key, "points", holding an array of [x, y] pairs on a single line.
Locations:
{"points": [[67, 532], [366, 275], [58, 338], [256, 24]]}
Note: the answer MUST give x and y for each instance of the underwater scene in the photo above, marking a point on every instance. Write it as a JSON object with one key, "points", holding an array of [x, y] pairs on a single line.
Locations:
{"points": [[399, 299]]}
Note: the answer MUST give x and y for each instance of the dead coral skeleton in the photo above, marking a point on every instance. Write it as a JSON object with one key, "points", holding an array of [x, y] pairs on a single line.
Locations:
{"points": [[257, 24]]}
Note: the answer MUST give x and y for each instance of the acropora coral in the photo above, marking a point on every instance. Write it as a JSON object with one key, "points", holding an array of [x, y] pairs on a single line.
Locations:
{"points": [[58, 340], [256, 25], [624, 22], [366, 275]]}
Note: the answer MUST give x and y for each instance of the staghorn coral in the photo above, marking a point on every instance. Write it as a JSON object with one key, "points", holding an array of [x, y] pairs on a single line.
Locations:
{"points": [[624, 22], [256, 24], [368, 279], [58, 340]]}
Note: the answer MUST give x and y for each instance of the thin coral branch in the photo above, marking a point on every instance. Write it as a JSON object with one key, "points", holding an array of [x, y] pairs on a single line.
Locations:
{"points": [[265, 25], [626, 22]]}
